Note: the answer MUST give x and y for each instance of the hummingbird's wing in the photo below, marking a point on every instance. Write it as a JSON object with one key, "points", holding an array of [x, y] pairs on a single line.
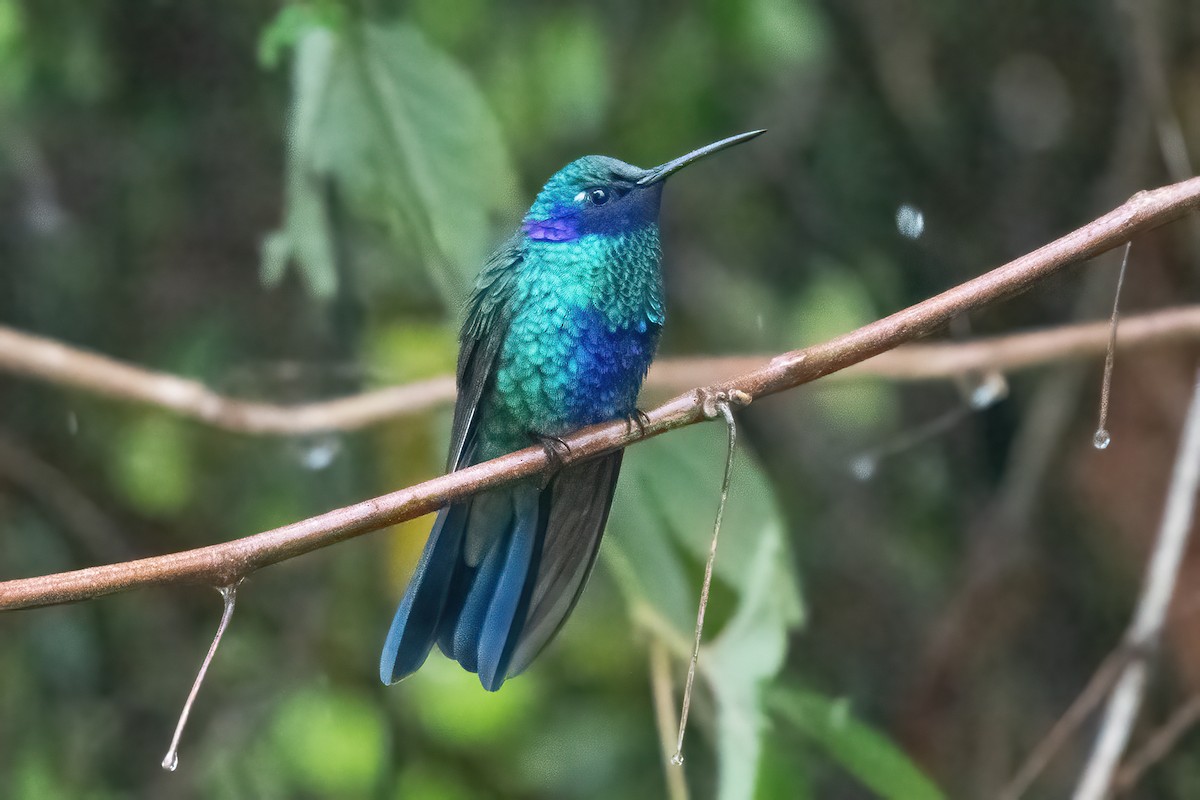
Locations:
{"points": [[438, 579], [574, 510], [483, 332]]}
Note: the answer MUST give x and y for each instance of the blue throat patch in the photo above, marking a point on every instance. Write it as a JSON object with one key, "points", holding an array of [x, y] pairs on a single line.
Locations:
{"points": [[560, 229]]}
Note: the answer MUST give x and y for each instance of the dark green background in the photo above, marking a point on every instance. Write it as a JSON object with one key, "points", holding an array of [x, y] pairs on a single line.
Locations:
{"points": [[953, 604]]}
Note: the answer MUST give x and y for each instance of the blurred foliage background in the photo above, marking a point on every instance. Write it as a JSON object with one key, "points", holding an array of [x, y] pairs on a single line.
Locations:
{"points": [[289, 202]]}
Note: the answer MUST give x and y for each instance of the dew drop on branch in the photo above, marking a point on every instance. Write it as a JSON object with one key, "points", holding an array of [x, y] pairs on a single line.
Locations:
{"points": [[1102, 439]]}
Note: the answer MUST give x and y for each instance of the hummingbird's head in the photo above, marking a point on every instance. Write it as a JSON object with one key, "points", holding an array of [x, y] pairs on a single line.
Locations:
{"points": [[601, 195], [593, 194]]}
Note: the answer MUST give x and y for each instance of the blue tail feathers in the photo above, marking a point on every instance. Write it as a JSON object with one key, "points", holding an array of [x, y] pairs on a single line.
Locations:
{"points": [[500, 574], [473, 604]]}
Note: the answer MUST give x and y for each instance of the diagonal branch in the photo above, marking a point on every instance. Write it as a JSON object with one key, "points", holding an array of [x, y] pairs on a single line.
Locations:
{"points": [[223, 564]]}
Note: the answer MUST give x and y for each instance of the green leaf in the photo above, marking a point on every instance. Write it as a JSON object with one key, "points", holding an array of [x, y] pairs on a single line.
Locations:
{"points": [[35, 775], [837, 301], [454, 708], [783, 772], [745, 656], [861, 750], [291, 23], [306, 237], [437, 123], [778, 33], [428, 783], [396, 132], [15, 62], [659, 536], [410, 350], [153, 464], [571, 73], [333, 742]]}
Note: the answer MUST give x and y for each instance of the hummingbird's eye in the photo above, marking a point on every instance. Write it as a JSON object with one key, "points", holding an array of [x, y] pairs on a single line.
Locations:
{"points": [[598, 196]]}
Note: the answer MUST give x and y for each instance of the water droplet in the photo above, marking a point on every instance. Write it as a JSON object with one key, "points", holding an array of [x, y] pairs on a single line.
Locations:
{"points": [[72, 423], [760, 322], [910, 221], [992, 389], [677, 759], [1101, 440], [863, 467], [43, 215], [170, 761], [319, 452]]}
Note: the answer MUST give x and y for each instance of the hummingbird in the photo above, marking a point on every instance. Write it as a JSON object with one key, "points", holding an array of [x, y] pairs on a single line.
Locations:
{"points": [[559, 333]]}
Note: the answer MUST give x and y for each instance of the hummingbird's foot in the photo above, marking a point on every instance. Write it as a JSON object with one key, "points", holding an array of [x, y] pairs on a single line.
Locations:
{"points": [[638, 419], [557, 453], [711, 401]]}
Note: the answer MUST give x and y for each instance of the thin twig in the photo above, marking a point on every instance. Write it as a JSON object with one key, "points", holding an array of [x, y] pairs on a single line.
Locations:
{"points": [[1102, 437], [223, 564], [1080, 709], [664, 715], [1146, 629], [1159, 745], [864, 465], [170, 761], [722, 405]]}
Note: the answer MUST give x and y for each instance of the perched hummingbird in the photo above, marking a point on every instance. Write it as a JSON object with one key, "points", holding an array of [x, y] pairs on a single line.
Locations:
{"points": [[559, 332]]}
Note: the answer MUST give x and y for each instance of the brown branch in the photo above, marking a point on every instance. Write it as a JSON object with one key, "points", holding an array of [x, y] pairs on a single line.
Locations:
{"points": [[923, 362], [1150, 616], [56, 363], [1159, 745], [1093, 694], [53, 362], [222, 564]]}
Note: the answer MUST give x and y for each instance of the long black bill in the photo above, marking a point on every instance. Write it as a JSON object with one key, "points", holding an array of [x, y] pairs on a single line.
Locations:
{"points": [[661, 172]]}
